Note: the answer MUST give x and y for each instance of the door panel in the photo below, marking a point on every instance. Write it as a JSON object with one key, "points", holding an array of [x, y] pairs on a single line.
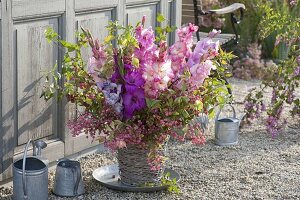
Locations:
{"points": [[96, 23], [94, 4], [135, 13], [36, 118], [30, 8]]}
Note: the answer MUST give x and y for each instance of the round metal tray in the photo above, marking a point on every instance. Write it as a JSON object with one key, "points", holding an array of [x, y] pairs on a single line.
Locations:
{"points": [[109, 177]]}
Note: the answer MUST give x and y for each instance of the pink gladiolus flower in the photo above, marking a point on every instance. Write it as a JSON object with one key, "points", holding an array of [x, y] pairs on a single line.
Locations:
{"points": [[145, 36], [98, 51], [199, 72], [162, 52], [182, 48], [96, 61], [185, 34], [143, 20], [146, 56], [94, 65], [157, 77], [179, 51]]}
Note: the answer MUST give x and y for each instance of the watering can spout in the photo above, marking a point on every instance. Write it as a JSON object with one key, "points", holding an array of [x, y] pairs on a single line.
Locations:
{"points": [[38, 146]]}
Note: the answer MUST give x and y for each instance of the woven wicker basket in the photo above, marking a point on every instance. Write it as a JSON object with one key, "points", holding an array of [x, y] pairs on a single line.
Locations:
{"points": [[134, 169]]}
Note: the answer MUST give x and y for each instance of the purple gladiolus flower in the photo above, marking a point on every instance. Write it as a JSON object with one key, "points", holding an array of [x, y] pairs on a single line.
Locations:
{"points": [[133, 80], [116, 75], [205, 49], [133, 100], [128, 67]]}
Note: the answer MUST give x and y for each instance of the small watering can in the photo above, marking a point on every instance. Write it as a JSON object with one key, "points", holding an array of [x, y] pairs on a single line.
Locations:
{"points": [[68, 180], [30, 175], [227, 129]]}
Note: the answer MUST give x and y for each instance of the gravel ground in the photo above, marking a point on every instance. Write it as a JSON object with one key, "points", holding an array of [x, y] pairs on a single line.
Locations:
{"points": [[259, 167]]}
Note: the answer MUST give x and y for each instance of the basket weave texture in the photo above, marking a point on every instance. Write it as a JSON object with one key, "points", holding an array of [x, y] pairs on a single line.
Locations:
{"points": [[134, 169]]}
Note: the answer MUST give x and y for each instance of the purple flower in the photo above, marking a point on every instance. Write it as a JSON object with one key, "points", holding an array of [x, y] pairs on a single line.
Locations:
{"points": [[116, 75], [133, 100], [205, 49], [298, 60], [249, 106], [112, 94], [263, 107], [272, 126], [293, 2], [133, 80], [128, 67], [257, 112], [274, 96], [290, 97], [296, 71]]}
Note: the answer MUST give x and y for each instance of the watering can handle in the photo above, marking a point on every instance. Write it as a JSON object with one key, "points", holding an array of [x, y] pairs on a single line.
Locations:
{"points": [[23, 170], [78, 177], [233, 110]]}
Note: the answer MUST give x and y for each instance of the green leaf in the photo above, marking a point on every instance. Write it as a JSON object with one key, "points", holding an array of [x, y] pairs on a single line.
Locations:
{"points": [[160, 18], [185, 114], [153, 103], [221, 90], [184, 87], [169, 29], [135, 61], [159, 30], [199, 105], [211, 113], [50, 34], [109, 38], [220, 99]]}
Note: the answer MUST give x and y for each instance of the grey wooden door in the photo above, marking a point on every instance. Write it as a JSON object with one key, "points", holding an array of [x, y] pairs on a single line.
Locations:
{"points": [[26, 55]]}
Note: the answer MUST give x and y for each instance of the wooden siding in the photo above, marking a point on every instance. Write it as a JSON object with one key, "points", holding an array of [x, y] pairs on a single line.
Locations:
{"points": [[25, 55]]}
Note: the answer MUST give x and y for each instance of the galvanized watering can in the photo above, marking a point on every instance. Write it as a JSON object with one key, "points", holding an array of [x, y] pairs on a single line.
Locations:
{"points": [[30, 176], [227, 129], [68, 180]]}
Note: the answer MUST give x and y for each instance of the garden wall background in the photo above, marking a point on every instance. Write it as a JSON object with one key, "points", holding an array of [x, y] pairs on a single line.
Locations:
{"points": [[25, 55]]}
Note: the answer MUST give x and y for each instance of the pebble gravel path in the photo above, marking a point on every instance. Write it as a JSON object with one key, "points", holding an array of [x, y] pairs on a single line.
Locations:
{"points": [[259, 167]]}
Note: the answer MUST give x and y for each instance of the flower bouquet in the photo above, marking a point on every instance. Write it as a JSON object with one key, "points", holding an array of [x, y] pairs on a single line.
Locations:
{"points": [[137, 92]]}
